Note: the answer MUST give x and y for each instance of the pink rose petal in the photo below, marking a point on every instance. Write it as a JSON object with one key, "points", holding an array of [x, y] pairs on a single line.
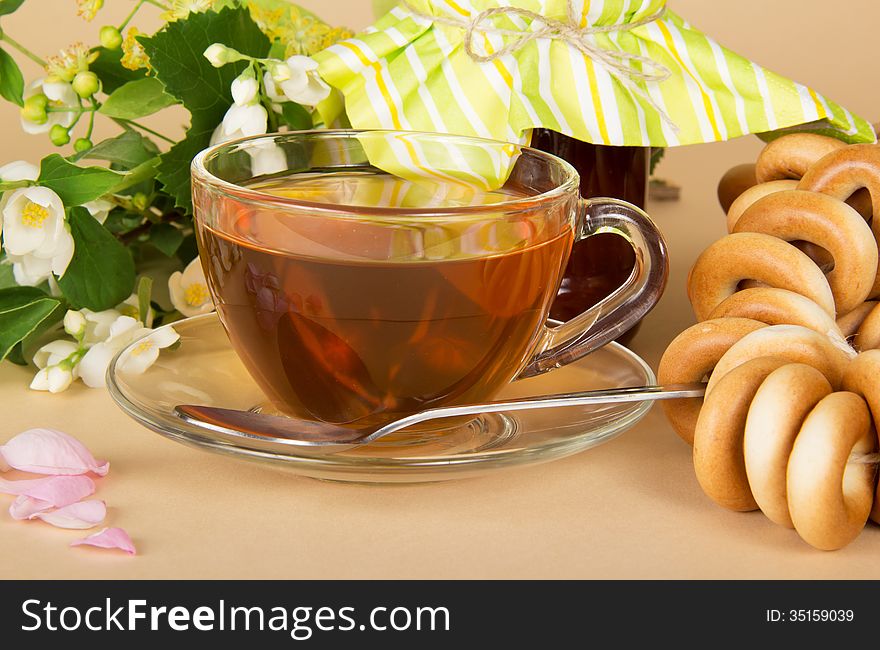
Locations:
{"points": [[57, 490], [25, 507], [46, 451], [108, 538], [85, 514]]}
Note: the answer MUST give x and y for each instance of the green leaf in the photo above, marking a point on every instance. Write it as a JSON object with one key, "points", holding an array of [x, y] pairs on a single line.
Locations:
{"points": [[144, 291], [166, 238], [15, 297], [657, 154], [101, 273], [22, 311], [120, 222], [189, 249], [176, 56], [7, 279], [108, 67], [74, 184], [128, 150], [174, 165], [9, 6], [137, 99], [11, 81], [16, 355], [23, 351], [296, 117]]}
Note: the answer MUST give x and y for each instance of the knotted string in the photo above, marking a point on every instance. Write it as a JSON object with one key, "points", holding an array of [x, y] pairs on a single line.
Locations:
{"points": [[616, 62]]}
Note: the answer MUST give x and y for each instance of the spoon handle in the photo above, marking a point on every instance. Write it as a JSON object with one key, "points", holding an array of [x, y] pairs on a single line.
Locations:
{"points": [[585, 398]]}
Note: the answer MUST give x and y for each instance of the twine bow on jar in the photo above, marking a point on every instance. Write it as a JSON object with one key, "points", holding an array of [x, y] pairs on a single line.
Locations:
{"points": [[616, 62]]}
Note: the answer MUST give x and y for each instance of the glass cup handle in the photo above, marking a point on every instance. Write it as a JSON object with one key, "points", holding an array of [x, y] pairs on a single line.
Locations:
{"points": [[615, 314]]}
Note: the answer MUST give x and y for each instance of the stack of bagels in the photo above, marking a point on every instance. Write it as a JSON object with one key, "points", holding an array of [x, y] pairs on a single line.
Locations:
{"points": [[788, 331]]}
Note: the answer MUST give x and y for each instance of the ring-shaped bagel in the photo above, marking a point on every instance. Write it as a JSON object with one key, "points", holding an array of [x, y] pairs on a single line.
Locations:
{"points": [[734, 182], [777, 411], [861, 377], [796, 215], [718, 271], [745, 200], [718, 440], [778, 307], [691, 357], [819, 255], [847, 171], [868, 334], [792, 342], [844, 171], [850, 322], [830, 498], [790, 156]]}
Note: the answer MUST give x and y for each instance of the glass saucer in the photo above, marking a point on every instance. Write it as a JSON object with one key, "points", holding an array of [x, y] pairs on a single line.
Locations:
{"points": [[203, 369]]}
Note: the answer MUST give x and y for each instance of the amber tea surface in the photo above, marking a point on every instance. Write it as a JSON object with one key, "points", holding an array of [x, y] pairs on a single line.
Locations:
{"points": [[354, 321]]}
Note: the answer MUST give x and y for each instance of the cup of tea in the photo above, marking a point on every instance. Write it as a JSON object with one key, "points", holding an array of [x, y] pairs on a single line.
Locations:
{"points": [[362, 276]]}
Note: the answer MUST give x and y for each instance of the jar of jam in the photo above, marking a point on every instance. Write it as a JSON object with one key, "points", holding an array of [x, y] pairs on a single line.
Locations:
{"points": [[598, 264]]}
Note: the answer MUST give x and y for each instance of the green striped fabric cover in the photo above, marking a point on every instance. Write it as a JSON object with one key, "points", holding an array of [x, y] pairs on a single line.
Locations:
{"points": [[406, 72]]}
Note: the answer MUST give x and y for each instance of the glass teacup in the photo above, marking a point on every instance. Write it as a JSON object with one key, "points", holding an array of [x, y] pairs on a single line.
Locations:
{"points": [[358, 294]]}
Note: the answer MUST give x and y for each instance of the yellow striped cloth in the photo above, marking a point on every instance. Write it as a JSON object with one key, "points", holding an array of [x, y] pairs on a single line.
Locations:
{"points": [[408, 72]]}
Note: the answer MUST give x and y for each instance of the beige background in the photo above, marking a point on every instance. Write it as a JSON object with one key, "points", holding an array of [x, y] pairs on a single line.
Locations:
{"points": [[631, 508]]}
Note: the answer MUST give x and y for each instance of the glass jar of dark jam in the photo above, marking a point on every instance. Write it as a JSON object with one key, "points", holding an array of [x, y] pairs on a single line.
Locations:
{"points": [[598, 264]]}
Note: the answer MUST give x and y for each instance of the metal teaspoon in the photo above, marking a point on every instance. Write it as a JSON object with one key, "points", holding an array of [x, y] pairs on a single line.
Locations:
{"points": [[333, 437]]}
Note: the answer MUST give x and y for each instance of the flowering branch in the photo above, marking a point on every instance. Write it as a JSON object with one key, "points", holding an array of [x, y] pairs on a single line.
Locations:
{"points": [[86, 234], [143, 128], [131, 15], [6, 38]]}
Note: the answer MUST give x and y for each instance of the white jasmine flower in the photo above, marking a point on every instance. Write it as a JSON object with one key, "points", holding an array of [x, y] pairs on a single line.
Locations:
{"points": [[32, 220], [60, 93], [189, 290], [57, 363], [54, 379], [124, 330], [245, 90], [75, 324], [146, 351], [35, 235], [246, 116], [241, 121], [30, 271], [98, 325], [296, 80], [34, 269], [19, 170], [100, 336], [54, 289], [131, 307], [93, 366], [99, 209], [54, 353], [217, 54]]}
